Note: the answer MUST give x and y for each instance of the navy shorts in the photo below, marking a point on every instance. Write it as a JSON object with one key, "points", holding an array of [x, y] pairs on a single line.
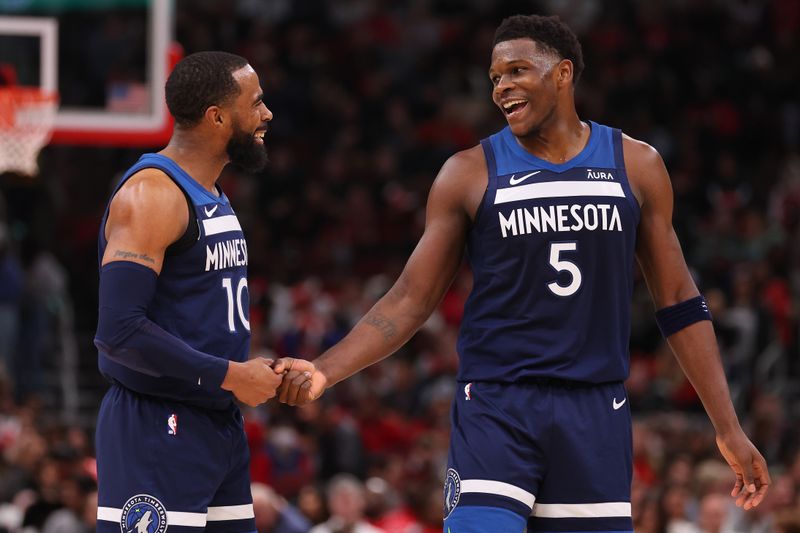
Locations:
{"points": [[161, 463], [556, 454]]}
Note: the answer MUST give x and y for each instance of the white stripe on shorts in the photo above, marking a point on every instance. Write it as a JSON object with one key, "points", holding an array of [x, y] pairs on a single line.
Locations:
{"points": [[230, 512], [109, 514], [174, 518], [487, 486], [582, 510], [178, 518]]}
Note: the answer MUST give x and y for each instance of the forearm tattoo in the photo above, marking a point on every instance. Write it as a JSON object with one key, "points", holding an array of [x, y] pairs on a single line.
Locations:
{"points": [[133, 255], [382, 324]]}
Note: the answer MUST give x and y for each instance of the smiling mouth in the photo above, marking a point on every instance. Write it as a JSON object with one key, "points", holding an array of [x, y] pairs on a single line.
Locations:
{"points": [[513, 107], [259, 135]]}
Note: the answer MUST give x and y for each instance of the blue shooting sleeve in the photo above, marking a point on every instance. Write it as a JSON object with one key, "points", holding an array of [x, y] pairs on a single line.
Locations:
{"points": [[127, 336]]}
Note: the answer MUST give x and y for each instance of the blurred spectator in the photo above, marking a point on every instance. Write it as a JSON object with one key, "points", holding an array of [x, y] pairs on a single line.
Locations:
{"points": [[274, 514], [11, 288], [76, 494], [675, 503], [290, 464], [311, 502], [347, 503], [714, 509]]}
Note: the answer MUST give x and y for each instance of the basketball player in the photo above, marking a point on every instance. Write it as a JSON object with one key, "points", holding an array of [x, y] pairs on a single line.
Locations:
{"points": [[552, 211], [173, 330]]}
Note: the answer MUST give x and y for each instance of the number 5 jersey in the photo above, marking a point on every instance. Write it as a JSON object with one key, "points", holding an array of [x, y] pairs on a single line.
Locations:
{"points": [[552, 254]]}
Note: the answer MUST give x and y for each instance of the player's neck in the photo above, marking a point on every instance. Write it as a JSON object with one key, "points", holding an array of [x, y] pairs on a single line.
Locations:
{"points": [[558, 140], [197, 158]]}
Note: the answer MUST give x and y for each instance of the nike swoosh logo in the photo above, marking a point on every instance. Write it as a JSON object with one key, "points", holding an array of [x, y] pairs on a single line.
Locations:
{"points": [[616, 405], [513, 181], [212, 211]]}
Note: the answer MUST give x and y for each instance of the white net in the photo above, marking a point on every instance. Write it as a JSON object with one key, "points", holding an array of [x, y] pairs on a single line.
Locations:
{"points": [[27, 116]]}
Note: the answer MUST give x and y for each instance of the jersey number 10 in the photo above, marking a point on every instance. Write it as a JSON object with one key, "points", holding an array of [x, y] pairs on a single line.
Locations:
{"points": [[241, 287]]}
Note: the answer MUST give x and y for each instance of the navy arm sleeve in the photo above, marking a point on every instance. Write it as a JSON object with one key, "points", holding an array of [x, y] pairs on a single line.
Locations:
{"points": [[127, 336]]}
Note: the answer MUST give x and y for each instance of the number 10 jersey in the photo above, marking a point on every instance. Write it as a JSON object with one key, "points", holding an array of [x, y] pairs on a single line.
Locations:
{"points": [[201, 296]]}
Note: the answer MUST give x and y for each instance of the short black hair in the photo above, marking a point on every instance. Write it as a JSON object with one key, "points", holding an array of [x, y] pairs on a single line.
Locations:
{"points": [[549, 32], [199, 81]]}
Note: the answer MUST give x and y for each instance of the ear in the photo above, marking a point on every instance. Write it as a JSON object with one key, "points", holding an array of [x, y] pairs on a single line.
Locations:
{"points": [[564, 73], [214, 116]]}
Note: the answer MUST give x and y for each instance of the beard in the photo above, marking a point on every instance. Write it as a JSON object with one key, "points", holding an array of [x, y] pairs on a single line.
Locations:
{"points": [[244, 152]]}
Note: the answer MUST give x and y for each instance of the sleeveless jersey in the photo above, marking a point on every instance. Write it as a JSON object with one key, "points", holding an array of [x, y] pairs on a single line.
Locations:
{"points": [[552, 256], [201, 296]]}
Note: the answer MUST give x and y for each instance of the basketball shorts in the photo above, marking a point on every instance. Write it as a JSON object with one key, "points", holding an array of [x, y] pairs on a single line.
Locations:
{"points": [[163, 464], [557, 455]]}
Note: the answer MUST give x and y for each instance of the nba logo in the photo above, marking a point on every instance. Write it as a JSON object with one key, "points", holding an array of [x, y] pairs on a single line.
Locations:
{"points": [[172, 423], [468, 391]]}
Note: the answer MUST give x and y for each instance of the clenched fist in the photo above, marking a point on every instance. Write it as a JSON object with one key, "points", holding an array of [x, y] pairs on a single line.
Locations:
{"points": [[252, 382], [302, 383]]}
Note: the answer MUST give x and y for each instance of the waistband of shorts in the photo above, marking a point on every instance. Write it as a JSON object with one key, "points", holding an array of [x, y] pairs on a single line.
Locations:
{"points": [[218, 406], [545, 381]]}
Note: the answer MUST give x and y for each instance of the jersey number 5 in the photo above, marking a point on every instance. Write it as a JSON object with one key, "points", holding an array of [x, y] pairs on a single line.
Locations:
{"points": [[241, 287], [562, 265]]}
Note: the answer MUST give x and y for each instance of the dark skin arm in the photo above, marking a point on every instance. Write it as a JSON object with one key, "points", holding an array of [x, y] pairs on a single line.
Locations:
{"points": [[147, 215], [662, 263], [452, 202]]}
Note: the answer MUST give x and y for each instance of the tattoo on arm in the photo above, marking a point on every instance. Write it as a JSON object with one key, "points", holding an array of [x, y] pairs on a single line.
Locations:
{"points": [[133, 255], [382, 324]]}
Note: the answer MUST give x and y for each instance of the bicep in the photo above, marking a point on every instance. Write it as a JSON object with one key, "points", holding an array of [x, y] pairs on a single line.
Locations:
{"points": [[144, 218], [658, 250], [663, 265], [438, 254]]}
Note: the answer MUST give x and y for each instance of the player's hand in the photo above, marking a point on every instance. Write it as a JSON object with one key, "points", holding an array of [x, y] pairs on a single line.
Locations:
{"points": [[252, 382], [752, 476], [302, 382]]}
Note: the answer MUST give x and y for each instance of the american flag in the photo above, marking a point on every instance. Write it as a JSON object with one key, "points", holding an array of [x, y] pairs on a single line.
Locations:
{"points": [[127, 97]]}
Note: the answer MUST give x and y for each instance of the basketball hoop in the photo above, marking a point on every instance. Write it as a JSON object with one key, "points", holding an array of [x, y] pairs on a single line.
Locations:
{"points": [[27, 116]]}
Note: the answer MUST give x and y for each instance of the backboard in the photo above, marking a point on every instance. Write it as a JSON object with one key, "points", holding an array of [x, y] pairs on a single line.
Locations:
{"points": [[107, 59]]}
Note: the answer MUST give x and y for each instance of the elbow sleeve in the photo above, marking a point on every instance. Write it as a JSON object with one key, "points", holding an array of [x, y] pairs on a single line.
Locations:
{"points": [[127, 336]]}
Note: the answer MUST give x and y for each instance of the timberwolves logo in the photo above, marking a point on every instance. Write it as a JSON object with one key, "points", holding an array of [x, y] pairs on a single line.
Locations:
{"points": [[143, 514], [452, 491]]}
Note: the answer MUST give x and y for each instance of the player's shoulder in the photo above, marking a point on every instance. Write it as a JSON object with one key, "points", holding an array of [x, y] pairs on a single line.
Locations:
{"points": [[462, 179], [150, 188], [645, 169], [463, 167], [460, 184], [470, 160], [638, 154], [149, 198]]}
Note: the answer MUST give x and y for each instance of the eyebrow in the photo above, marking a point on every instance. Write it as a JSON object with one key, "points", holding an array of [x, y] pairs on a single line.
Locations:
{"points": [[512, 62]]}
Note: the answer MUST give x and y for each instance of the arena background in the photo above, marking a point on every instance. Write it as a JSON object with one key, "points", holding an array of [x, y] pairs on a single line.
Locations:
{"points": [[370, 98]]}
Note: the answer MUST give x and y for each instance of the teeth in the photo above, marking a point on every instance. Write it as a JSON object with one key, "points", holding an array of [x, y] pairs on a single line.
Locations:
{"points": [[260, 134], [507, 105]]}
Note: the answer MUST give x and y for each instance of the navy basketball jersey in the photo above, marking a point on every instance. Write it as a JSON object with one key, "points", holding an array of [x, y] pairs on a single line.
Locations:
{"points": [[552, 254], [201, 296]]}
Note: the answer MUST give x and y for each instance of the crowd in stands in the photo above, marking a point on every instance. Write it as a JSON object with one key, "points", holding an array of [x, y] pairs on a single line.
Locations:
{"points": [[370, 98]]}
